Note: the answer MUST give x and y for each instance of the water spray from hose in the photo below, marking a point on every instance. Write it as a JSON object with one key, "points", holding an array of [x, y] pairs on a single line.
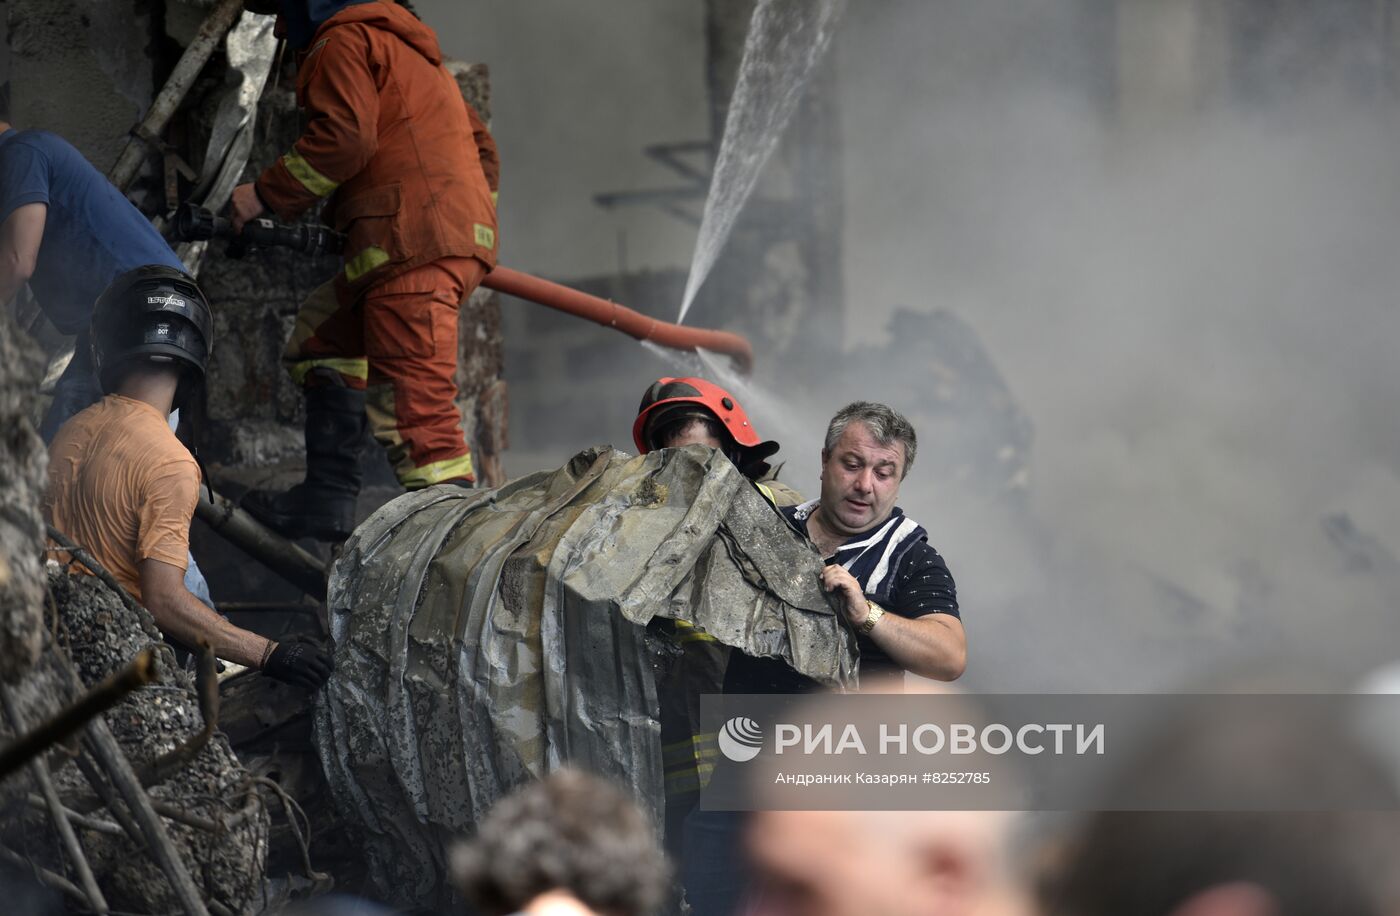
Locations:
{"points": [[786, 40]]}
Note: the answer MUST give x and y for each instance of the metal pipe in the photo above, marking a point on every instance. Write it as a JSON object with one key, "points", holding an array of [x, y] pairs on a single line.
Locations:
{"points": [[140, 671], [272, 550], [197, 223], [211, 32], [612, 315]]}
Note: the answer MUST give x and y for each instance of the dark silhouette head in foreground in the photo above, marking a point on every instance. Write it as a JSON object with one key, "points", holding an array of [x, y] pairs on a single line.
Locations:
{"points": [[1339, 858], [572, 841]]}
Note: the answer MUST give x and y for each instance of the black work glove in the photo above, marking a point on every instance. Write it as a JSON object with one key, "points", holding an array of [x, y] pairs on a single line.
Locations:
{"points": [[299, 661]]}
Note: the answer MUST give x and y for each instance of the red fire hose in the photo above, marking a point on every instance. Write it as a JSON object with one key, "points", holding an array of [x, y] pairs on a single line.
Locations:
{"points": [[610, 314]]}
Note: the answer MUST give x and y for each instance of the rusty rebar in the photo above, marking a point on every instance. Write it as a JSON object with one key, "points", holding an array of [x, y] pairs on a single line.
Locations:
{"points": [[82, 820], [249, 809], [292, 810], [79, 808], [278, 554], [106, 795], [181, 816]]}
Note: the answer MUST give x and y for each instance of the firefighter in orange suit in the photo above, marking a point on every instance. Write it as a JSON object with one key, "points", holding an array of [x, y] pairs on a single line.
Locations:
{"points": [[409, 174]]}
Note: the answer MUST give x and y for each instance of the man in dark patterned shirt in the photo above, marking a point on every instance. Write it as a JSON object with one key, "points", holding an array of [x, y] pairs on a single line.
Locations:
{"points": [[894, 589]]}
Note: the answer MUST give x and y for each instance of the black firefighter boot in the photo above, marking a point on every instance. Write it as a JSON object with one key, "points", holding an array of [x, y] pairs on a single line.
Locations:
{"points": [[323, 505]]}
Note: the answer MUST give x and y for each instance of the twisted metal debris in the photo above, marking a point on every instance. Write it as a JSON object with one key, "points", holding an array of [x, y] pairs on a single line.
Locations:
{"points": [[484, 637]]}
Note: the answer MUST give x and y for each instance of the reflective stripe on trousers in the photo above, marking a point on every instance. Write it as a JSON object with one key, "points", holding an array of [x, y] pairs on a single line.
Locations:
{"points": [[398, 342]]}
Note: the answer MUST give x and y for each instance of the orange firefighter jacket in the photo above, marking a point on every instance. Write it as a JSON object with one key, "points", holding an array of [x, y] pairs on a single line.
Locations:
{"points": [[407, 165]]}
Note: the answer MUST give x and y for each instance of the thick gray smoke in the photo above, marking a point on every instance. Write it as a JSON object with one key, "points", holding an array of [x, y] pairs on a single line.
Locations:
{"points": [[1183, 263]]}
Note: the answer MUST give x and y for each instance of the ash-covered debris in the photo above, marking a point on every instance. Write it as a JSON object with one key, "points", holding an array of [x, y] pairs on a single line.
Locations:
{"points": [[99, 631], [212, 789], [527, 608]]}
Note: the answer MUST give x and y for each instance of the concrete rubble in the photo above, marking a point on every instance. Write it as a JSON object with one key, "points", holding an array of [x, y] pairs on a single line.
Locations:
{"points": [[100, 635], [217, 817]]}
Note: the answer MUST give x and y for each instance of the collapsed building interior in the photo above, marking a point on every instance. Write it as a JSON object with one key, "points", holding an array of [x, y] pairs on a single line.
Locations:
{"points": [[213, 94], [153, 809]]}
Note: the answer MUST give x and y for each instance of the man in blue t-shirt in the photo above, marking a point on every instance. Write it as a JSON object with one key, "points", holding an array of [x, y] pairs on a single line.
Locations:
{"points": [[67, 232]]}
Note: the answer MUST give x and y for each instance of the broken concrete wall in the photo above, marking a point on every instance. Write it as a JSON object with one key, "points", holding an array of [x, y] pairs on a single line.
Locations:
{"points": [[253, 409], [102, 636], [84, 69]]}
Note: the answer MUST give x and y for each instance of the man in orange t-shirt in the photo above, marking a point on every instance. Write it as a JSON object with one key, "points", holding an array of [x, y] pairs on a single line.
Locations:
{"points": [[122, 486]]}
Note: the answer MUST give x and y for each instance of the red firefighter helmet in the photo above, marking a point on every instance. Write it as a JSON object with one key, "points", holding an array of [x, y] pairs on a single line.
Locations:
{"points": [[671, 399]]}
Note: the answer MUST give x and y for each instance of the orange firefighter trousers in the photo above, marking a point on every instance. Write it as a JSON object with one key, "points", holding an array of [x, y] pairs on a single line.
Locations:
{"points": [[398, 342]]}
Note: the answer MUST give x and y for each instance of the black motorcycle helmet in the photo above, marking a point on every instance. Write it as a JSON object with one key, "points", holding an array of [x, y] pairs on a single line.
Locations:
{"points": [[155, 314]]}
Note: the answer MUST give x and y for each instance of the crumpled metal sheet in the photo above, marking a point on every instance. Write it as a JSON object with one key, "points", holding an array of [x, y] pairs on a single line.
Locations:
{"points": [[251, 47], [484, 637]]}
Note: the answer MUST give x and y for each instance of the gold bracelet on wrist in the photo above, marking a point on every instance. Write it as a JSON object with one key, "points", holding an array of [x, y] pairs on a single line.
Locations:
{"points": [[872, 618]]}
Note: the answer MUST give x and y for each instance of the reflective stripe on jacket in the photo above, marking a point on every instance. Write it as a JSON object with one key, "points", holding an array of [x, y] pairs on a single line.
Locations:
{"points": [[392, 144]]}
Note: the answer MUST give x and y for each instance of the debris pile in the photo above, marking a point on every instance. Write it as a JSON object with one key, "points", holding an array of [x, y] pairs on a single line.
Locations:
{"points": [[484, 637], [212, 814]]}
